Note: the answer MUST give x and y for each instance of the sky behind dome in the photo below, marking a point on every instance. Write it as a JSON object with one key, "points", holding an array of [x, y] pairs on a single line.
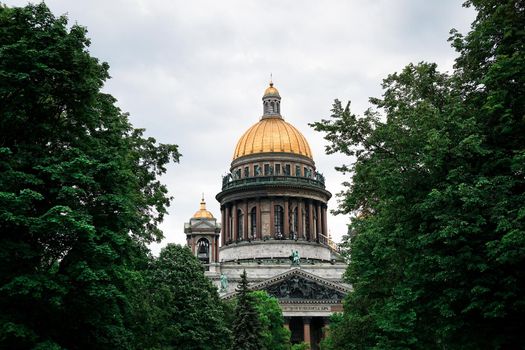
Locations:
{"points": [[193, 72]]}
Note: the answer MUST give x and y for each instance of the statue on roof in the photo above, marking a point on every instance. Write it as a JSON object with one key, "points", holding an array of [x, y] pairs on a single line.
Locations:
{"points": [[224, 284], [295, 258]]}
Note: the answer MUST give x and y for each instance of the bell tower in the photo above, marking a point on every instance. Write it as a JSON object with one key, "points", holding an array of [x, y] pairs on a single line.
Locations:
{"points": [[202, 236]]}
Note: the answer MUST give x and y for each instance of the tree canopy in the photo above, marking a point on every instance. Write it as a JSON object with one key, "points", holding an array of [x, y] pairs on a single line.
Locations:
{"points": [[437, 197], [247, 330], [191, 316], [275, 335], [79, 194]]}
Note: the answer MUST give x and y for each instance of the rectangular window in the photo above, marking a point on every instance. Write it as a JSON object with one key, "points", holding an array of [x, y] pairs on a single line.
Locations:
{"points": [[266, 169], [256, 170], [287, 170], [277, 169], [246, 172], [297, 170]]}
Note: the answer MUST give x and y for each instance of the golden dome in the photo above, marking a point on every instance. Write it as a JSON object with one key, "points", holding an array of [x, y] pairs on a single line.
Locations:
{"points": [[272, 135], [203, 213], [271, 91]]}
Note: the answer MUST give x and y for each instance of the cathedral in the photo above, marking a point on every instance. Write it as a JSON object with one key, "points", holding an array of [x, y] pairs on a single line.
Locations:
{"points": [[274, 225]]}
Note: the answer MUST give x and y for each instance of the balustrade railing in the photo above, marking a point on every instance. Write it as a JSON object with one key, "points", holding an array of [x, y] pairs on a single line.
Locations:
{"points": [[229, 182], [292, 236]]}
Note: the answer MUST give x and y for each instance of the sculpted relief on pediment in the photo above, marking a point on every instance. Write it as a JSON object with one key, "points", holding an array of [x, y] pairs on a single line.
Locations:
{"points": [[301, 288]]}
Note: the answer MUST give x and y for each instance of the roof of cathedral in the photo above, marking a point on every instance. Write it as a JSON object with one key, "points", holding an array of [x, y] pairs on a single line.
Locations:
{"points": [[203, 213], [272, 134]]}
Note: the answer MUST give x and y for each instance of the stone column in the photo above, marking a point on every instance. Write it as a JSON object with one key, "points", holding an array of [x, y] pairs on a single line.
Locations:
{"points": [[286, 219], [306, 325], [300, 228], [326, 327], [319, 220], [258, 220], [245, 231], [234, 226], [223, 227], [325, 227], [287, 322], [212, 250], [272, 219], [216, 249], [228, 223], [311, 220]]}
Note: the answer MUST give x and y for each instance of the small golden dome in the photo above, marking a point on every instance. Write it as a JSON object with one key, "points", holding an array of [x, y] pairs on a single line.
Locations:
{"points": [[272, 135], [203, 213], [271, 91]]}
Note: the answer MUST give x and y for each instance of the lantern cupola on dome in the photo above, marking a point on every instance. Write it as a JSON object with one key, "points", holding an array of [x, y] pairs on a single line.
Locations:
{"points": [[272, 133], [271, 103]]}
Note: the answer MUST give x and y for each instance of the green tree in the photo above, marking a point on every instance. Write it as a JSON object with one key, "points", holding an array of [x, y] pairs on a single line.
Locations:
{"points": [[247, 330], [437, 195], [275, 335], [191, 315], [300, 346], [79, 195], [336, 321]]}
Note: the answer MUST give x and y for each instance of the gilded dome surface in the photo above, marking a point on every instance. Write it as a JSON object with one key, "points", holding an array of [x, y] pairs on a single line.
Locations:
{"points": [[203, 213], [271, 91], [272, 135]]}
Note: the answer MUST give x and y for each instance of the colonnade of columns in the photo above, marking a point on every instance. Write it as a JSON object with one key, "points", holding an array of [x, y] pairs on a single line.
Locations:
{"points": [[286, 218], [310, 330]]}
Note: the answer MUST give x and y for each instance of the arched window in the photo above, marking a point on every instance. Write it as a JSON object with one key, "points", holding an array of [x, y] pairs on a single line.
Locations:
{"points": [[278, 107], [253, 222], [203, 250], [272, 107], [278, 219]]}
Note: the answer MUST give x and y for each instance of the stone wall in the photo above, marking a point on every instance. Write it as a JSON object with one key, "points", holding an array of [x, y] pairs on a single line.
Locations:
{"points": [[260, 272], [274, 249]]}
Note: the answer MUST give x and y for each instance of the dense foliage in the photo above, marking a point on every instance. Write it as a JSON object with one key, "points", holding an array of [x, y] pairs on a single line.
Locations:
{"points": [[189, 311], [247, 330], [438, 198], [275, 336], [79, 196]]}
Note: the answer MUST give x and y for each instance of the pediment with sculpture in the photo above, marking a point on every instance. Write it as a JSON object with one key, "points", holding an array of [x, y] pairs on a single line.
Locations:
{"points": [[298, 285]]}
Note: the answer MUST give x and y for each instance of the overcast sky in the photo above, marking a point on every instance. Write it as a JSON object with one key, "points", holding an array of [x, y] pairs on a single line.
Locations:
{"points": [[193, 72]]}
